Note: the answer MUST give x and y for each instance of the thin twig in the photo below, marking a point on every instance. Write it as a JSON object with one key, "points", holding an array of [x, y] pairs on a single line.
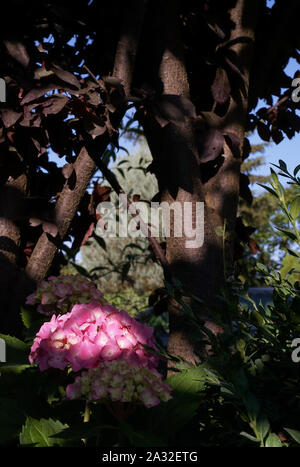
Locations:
{"points": [[278, 103]]}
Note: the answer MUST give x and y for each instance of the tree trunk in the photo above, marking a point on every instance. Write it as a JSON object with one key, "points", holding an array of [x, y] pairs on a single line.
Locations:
{"points": [[176, 157]]}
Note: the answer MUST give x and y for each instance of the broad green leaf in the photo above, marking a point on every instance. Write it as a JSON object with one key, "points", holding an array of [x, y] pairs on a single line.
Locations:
{"points": [[262, 427], [273, 441], [17, 351], [40, 433], [295, 434], [188, 389], [295, 207]]}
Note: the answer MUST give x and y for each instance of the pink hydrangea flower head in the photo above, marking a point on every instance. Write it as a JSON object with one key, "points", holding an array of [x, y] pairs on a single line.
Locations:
{"points": [[120, 381], [90, 334], [57, 295]]}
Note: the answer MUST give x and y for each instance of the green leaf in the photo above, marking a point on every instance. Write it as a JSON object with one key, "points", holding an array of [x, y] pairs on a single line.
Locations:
{"points": [[39, 433], [288, 233], [296, 170], [274, 177], [262, 427], [100, 241], [17, 351], [273, 441], [295, 434], [80, 269], [188, 391], [27, 317], [252, 406], [261, 267], [252, 438], [293, 253], [241, 345], [270, 190], [295, 207], [282, 165]]}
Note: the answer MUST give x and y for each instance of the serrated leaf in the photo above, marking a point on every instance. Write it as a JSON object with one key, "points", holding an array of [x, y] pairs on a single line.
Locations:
{"points": [[40, 433]]}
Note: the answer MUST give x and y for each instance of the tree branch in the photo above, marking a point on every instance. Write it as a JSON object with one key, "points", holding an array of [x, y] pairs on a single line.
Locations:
{"points": [[84, 166]]}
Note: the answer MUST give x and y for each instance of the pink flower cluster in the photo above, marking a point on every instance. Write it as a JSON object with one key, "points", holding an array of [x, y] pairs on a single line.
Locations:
{"points": [[90, 334], [59, 294], [120, 381]]}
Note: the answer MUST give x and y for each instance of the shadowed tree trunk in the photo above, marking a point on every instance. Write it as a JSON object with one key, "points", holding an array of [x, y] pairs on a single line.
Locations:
{"points": [[12, 281], [175, 152]]}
